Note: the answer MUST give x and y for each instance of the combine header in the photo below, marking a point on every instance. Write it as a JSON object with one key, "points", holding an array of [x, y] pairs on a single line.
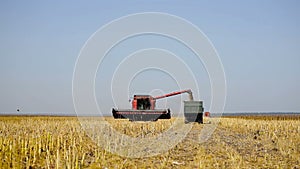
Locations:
{"points": [[143, 108]]}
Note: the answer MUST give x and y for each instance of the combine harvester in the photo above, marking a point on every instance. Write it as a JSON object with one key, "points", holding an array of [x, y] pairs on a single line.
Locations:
{"points": [[143, 108]]}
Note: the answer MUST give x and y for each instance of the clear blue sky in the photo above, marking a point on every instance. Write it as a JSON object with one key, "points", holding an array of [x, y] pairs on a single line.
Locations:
{"points": [[257, 41]]}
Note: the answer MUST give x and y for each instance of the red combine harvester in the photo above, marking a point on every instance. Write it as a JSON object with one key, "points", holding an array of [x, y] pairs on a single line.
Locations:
{"points": [[143, 108]]}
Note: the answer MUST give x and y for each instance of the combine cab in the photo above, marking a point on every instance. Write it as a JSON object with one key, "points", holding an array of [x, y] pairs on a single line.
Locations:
{"points": [[143, 108]]}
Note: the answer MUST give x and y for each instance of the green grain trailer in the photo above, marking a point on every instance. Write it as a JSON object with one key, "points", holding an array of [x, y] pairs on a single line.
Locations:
{"points": [[193, 111]]}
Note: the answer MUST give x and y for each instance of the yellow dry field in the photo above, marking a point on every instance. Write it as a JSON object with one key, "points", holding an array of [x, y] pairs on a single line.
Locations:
{"points": [[59, 142]]}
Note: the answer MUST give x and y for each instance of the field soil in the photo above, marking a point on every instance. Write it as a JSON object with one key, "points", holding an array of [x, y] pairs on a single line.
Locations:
{"points": [[237, 142]]}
